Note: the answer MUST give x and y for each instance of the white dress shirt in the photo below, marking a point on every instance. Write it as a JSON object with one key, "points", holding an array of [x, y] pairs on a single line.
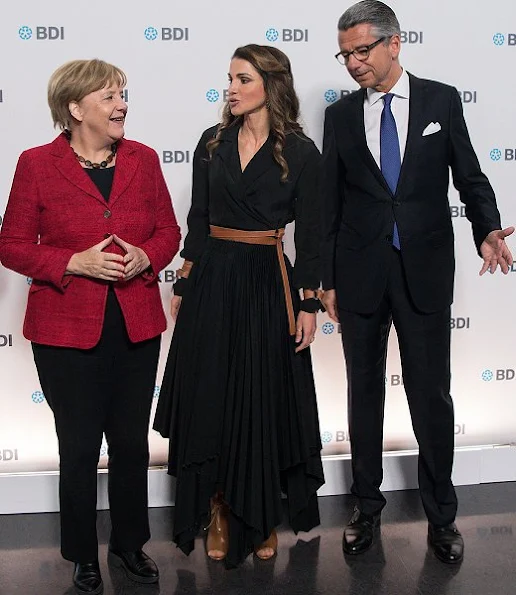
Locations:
{"points": [[373, 107]]}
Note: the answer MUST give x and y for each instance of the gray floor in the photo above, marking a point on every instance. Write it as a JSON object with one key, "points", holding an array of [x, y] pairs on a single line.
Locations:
{"points": [[398, 564]]}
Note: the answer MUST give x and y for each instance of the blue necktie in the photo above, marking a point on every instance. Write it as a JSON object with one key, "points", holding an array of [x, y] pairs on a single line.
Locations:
{"points": [[390, 158]]}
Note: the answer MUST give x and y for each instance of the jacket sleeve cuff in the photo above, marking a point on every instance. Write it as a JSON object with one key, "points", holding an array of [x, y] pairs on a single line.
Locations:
{"points": [[58, 275]]}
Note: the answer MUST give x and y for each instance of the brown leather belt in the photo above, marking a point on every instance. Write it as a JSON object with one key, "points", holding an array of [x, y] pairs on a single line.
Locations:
{"points": [[265, 238]]}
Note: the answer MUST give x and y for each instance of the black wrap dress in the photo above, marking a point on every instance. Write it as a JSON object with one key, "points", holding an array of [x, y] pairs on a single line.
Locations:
{"points": [[236, 401]]}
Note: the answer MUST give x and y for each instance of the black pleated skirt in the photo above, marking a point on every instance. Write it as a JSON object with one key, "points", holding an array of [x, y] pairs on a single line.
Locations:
{"points": [[238, 403]]}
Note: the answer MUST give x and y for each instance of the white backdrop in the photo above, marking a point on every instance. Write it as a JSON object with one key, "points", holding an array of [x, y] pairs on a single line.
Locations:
{"points": [[176, 57]]}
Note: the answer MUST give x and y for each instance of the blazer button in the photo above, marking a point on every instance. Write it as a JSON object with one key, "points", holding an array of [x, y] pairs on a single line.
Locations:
{"points": [[107, 214], [397, 203], [388, 238]]}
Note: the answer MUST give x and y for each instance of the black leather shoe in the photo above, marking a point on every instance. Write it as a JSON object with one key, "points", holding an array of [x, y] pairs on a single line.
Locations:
{"points": [[446, 542], [137, 565], [87, 579], [359, 533]]}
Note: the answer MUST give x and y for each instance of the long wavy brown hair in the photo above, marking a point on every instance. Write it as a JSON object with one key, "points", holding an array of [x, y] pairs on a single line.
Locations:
{"points": [[282, 101]]}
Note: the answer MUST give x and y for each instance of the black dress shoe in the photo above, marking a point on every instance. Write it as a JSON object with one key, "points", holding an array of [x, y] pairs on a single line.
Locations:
{"points": [[87, 579], [447, 543], [359, 533], [137, 565]]}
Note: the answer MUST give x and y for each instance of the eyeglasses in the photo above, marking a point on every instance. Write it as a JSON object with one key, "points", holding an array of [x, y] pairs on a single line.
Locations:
{"points": [[361, 53]]}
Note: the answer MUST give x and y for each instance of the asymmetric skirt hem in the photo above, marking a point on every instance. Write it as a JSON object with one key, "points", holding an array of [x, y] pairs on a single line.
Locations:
{"points": [[238, 404]]}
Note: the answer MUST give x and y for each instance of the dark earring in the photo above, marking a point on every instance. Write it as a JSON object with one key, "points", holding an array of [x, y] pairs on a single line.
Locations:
{"points": [[268, 104]]}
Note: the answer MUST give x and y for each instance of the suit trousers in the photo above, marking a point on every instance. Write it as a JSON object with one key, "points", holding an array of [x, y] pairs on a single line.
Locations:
{"points": [[107, 389], [424, 343]]}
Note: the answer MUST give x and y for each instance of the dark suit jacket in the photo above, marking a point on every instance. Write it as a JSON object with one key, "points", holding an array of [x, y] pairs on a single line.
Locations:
{"points": [[359, 209], [55, 210]]}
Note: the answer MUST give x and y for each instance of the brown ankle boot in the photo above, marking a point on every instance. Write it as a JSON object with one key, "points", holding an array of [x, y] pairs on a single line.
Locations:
{"points": [[271, 543], [217, 540]]}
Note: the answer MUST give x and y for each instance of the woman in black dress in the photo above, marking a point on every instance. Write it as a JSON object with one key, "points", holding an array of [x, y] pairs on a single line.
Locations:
{"points": [[237, 399]]}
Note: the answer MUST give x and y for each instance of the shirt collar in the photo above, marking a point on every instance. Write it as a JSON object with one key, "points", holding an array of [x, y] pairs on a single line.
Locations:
{"points": [[400, 89]]}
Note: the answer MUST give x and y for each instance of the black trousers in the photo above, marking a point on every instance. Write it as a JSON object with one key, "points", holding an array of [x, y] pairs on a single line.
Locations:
{"points": [[107, 389], [424, 342]]}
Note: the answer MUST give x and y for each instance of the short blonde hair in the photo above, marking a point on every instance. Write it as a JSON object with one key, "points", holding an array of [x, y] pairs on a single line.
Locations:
{"points": [[76, 79]]}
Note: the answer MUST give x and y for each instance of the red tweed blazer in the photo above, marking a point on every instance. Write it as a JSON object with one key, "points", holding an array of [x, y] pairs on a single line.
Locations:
{"points": [[55, 210]]}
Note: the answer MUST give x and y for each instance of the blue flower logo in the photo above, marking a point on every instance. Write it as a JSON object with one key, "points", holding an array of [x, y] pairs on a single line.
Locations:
{"points": [[151, 33], [156, 391], [487, 376], [212, 95], [103, 449], [326, 437], [495, 154], [498, 38], [330, 95], [25, 32], [38, 396], [272, 34], [328, 328]]}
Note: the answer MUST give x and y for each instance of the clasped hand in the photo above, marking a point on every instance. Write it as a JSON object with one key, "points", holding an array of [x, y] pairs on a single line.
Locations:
{"points": [[98, 264]]}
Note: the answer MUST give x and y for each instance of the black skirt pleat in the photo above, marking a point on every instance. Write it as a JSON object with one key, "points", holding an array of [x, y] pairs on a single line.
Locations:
{"points": [[238, 403]]}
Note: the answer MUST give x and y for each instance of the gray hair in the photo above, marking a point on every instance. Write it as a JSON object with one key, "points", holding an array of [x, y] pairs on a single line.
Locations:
{"points": [[377, 14]]}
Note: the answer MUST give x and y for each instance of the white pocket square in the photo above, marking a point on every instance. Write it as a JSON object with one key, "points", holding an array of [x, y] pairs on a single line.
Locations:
{"points": [[432, 128]]}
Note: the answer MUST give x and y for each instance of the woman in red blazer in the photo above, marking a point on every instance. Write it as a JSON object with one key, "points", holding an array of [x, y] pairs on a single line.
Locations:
{"points": [[90, 219]]}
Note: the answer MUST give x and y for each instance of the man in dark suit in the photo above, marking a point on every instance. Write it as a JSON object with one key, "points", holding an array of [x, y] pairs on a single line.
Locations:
{"points": [[389, 258]]}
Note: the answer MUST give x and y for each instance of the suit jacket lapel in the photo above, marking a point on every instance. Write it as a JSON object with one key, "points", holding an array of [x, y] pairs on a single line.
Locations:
{"points": [[127, 163], [69, 167], [126, 166], [417, 104], [357, 126]]}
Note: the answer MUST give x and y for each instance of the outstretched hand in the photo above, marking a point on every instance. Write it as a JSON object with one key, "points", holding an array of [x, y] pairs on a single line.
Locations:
{"points": [[495, 251]]}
